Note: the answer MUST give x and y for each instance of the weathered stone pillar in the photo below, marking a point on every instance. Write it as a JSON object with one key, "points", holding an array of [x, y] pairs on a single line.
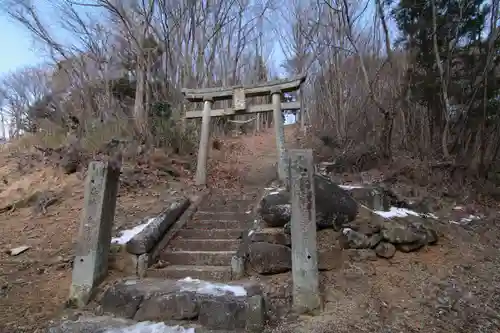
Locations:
{"points": [[279, 129], [306, 296], [91, 256], [201, 166]]}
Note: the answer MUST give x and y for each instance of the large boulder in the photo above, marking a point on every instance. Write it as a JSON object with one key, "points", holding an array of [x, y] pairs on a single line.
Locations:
{"points": [[275, 208], [334, 206]]}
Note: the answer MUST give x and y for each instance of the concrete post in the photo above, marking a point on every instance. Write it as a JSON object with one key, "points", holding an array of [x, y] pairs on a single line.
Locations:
{"points": [[306, 296], [279, 129], [91, 255], [302, 110], [201, 166]]}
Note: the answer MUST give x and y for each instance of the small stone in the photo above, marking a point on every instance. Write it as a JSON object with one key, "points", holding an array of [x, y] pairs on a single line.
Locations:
{"points": [[355, 240], [18, 250], [385, 250], [361, 255], [61, 267], [374, 240], [4, 288]]}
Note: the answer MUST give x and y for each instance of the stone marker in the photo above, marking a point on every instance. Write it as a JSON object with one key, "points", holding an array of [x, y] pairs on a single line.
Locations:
{"points": [[94, 237], [306, 296]]}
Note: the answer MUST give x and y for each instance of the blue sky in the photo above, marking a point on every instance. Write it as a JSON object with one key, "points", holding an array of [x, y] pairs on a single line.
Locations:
{"points": [[17, 50]]}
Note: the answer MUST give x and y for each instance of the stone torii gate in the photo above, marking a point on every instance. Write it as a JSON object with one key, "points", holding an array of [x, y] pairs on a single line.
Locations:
{"points": [[239, 94]]}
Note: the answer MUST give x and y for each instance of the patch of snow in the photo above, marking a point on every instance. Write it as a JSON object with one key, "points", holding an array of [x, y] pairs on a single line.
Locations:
{"points": [[130, 282], [150, 327], [210, 288], [250, 233], [248, 212], [465, 220], [458, 208], [430, 215], [346, 231], [396, 212], [350, 187], [128, 234]]}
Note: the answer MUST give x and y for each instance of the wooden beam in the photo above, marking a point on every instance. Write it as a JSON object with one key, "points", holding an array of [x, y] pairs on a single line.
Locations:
{"points": [[259, 89], [250, 109]]}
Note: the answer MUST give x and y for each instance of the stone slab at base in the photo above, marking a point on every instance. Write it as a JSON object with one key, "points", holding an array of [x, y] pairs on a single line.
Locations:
{"points": [[233, 307]]}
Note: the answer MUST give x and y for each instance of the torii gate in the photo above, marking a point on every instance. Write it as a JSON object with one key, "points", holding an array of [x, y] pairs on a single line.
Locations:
{"points": [[239, 94]]}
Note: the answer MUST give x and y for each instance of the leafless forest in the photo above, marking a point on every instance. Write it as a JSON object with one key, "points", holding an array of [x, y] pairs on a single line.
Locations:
{"points": [[386, 80]]}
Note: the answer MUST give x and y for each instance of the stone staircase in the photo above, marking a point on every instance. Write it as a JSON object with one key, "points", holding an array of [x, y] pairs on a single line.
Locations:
{"points": [[204, 246]]}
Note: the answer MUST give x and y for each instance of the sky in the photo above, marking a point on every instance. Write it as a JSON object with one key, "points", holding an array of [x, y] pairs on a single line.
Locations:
{"points": [[17, 50]]}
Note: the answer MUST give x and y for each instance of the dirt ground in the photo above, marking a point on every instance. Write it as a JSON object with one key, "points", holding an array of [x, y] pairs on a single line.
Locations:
{"points": [[450, 287]]}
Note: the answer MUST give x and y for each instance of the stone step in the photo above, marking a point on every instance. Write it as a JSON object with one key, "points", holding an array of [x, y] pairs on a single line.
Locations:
{"points": [[222, 216], [215, 224], [229, 206], [198, 258], [232, 307], [228, 197], [186, 244], [210, 273], [210, 233]]}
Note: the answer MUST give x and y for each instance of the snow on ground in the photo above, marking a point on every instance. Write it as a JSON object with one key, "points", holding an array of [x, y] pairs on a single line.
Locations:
{"points": [[209, 288], [350, 187], [150, 327], [128, 234]]}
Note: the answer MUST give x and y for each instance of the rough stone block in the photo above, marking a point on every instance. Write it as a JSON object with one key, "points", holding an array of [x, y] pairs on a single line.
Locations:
{"points": [[255, 314], [94, 237], [223, 313], [122, 300], [175, 306], [144, 241]]}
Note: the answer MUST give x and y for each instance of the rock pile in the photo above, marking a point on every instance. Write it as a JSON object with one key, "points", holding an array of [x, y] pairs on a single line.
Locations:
{"points": [[361, 226]]}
